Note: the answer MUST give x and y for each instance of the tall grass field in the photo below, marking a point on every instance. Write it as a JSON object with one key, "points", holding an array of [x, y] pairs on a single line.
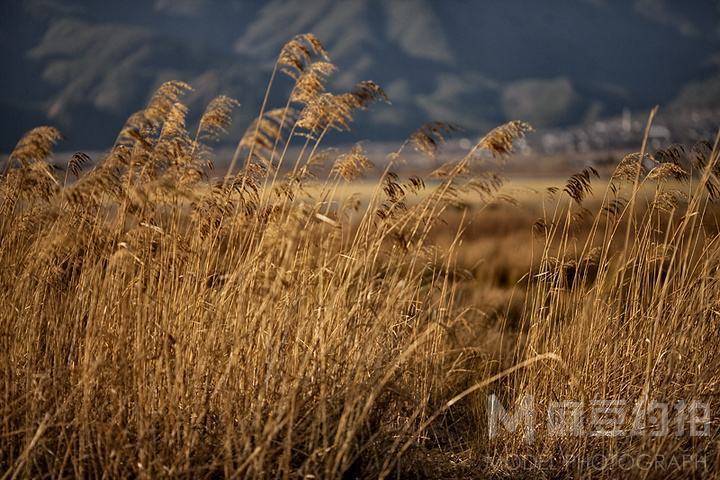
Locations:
{"points": [[162, 318]]}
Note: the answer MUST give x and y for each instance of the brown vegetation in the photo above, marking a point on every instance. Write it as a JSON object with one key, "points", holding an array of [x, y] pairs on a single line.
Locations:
{"points": [[158, 323]]}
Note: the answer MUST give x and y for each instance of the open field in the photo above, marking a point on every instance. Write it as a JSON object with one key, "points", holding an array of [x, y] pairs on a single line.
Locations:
{"points": [[295, 319]]}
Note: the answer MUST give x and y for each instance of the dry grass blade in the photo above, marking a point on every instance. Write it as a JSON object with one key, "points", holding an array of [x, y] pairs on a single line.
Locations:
{"points": [[666, 171], [296, 54], [327, 111], [77, 162], [217, 118], [353, 164], [263, 134], [330, 111], [366, 93], [35, 145], [311, 83], [135, 129], [500, 140], [174, 123], [164, 100], [579, 185], [633, 164], [428, 138]]}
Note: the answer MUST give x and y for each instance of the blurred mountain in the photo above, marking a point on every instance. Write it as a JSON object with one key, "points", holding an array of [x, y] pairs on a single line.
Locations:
{"points": [[85, 66]]}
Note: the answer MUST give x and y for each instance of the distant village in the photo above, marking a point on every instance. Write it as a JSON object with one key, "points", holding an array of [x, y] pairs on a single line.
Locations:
{"points": [[626, 131], [601, 143]]}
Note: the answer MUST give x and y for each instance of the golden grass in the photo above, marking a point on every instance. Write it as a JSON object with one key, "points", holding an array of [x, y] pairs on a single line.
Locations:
{"points": [[157, 323]]}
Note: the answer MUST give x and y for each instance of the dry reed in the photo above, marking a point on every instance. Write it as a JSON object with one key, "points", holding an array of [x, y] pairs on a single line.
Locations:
{"points": [[158, 323]]}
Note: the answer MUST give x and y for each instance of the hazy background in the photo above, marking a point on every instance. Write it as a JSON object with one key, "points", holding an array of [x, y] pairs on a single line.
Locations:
{"points": [[574, 66]]}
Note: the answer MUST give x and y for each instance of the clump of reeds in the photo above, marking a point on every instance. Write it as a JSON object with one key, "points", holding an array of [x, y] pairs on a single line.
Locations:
{"points": [[159, 322]]}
